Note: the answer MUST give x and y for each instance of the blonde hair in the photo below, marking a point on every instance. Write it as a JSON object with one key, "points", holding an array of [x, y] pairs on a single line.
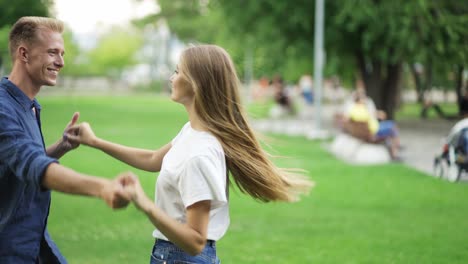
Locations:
{"points": [[26, 28], [211, 72]]}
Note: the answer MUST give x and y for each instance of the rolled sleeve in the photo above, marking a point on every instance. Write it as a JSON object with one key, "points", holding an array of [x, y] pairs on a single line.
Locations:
{"points": [[20, 153], [37, 170]]}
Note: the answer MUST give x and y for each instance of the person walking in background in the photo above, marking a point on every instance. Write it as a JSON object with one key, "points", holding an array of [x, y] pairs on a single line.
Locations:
{"points": [[29, 170], [192, 199]]}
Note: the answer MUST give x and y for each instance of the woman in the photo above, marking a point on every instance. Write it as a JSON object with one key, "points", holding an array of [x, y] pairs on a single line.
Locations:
{"points": [[192, 205]]}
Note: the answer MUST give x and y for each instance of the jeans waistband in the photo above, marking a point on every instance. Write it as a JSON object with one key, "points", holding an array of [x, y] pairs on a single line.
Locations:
{"points": [[209, 242]]}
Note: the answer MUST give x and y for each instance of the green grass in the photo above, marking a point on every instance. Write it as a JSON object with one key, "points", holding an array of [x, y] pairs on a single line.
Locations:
{"points": [[260, 109], [413, 111], [373, 214]]}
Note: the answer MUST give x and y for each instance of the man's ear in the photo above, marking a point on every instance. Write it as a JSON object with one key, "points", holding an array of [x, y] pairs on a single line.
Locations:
{"points": [[23, 54]]}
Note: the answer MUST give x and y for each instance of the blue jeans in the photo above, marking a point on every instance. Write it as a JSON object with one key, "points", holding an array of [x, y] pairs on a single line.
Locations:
{"points": [[386, 129], [165, 252]]}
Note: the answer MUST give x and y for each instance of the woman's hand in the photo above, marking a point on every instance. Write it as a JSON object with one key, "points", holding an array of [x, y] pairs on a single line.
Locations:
{"points": [[81, 134], [136, 193]]}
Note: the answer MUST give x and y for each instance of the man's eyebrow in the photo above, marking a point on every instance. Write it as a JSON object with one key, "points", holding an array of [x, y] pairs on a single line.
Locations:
{"points": [[56, 50]]}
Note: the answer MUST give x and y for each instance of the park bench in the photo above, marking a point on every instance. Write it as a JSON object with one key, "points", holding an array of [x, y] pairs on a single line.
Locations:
{"points": [[356, 144], [360, 130]]}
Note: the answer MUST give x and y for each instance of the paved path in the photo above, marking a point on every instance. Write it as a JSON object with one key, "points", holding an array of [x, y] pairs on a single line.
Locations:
{"points": [[421, 139]]}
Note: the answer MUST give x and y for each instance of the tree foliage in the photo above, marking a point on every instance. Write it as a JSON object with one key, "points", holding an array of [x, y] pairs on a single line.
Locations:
{"points": [[11, 11], [74, 64], [115, 51], [386, 34], [368, 39]]}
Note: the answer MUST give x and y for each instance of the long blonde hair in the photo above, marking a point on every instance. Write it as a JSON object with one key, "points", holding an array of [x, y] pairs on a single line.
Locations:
{"points": [[211, 72]]}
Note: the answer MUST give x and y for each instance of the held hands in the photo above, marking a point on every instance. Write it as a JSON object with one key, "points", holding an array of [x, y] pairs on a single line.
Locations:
{"points": [[114, 193], [124, 188], [135, 192]]}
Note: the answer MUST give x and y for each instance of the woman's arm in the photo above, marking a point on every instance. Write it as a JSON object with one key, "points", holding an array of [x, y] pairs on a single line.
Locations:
{"points": [[190, 236], [62, 179], [149, 160]]}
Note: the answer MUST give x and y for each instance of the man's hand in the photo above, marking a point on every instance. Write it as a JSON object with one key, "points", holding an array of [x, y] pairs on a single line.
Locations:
{"points": [[66, 143]]}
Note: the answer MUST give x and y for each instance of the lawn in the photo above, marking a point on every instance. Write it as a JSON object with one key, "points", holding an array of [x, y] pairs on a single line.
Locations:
{"points": [[413, 110], [373, 214]]}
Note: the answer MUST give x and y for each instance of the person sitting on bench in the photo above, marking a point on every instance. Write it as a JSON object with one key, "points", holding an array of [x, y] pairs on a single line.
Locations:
{"points": [[383, 130]]}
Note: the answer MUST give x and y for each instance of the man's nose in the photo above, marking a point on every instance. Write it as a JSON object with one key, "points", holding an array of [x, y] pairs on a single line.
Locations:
{"points": [[60, 61]]}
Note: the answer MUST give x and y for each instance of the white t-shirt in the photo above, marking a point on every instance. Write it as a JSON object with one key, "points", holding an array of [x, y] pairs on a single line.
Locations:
{"points": [[349, 103], [194, 170]]}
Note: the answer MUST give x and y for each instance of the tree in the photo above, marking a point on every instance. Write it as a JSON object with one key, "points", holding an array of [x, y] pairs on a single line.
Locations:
{"points": [[11, 11], [210, 22], [74, 64], [114, 52], [446, 35], [372, 37]]}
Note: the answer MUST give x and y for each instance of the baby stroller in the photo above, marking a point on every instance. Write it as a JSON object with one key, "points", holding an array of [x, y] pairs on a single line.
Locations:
{"points": [[453, 161]]}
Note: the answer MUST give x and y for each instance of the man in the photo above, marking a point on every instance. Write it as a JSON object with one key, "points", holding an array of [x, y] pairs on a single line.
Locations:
{"points": [[29, 170]]}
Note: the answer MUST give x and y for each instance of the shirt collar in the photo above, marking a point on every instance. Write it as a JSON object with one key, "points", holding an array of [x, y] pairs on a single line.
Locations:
{"points": [[19, 96]]}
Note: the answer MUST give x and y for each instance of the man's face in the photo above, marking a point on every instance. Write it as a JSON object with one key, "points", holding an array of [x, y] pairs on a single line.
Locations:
{"points": [[45, 58]]}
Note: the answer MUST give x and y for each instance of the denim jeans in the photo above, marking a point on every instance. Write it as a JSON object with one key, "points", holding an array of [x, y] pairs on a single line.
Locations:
{"points": [[165, 252]]}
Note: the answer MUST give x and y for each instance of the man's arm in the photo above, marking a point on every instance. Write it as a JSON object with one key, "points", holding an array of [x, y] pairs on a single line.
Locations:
{"points": [[57, 150], [62, 179], [28, 162]]}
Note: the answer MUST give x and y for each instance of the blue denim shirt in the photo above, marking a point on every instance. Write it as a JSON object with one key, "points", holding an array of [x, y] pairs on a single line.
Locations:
{"points": [[24, 203]]}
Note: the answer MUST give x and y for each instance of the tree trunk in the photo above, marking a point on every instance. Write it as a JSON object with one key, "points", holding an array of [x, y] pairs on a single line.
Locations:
{"points": [[428, 70], [459, 81], [418, 82], [390, 89], [382, 84], [458, 87], [374, 84], [371, 74], [1, 66]]}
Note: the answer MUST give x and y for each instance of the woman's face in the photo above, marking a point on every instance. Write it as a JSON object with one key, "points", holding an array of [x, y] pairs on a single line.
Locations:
{"points": [[182, 91]]}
